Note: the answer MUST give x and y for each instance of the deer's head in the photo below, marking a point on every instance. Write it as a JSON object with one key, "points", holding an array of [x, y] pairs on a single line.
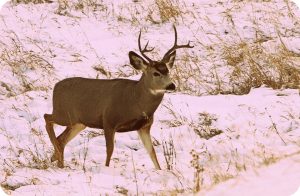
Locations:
{"points": [[156, 73]]}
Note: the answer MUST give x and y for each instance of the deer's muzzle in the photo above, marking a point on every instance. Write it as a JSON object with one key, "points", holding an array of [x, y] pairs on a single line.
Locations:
{"points": [[171, 87]]}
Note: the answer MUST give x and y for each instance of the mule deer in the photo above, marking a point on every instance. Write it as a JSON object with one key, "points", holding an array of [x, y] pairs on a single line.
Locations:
{"points": [[117, 105]]}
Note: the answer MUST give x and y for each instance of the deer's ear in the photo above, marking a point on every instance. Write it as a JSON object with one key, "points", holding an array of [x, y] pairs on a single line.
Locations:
{"points": [[170, 59], [137, 61]]}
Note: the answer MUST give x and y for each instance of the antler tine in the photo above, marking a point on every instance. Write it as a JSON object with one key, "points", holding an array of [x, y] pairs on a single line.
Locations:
{"points": [[145, 48], [175, 46], [175, 31]]}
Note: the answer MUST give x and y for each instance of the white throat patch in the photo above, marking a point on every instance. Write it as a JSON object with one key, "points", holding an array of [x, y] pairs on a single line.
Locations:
{"points": [[157, 92]]}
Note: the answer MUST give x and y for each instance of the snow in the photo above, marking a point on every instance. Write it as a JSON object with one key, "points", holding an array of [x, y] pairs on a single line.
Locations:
{"points": [[281, 178], [256, 146]]}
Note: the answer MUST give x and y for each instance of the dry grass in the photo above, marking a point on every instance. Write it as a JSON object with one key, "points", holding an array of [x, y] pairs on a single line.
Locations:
{"points": [[247, 63], [169, 10], [84, 6], [21, 61], [252, 66], [233, 67], [238, 65], [26, 156], [205, 126], [31, 1]]}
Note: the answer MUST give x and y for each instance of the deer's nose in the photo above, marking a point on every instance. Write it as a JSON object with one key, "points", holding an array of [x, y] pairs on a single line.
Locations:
{"points": [[171, 87]]}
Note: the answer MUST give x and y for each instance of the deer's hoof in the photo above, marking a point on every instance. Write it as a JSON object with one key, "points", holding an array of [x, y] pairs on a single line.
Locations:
{"points": [[60, 164], [54, 157]]}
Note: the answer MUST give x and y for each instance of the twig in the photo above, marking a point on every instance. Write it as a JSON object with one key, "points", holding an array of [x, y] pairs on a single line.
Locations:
{"points": [[85, 152], [134, 171], [169, 152], [275, 127]]}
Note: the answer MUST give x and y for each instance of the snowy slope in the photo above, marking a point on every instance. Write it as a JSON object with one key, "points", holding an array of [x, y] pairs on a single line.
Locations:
{"points": [[281, 178], [246, 144]]}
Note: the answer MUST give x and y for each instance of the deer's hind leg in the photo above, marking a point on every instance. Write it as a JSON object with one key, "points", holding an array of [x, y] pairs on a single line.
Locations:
{"points": [[110, 142], [57, 148], [69, 133], [59, 155]]}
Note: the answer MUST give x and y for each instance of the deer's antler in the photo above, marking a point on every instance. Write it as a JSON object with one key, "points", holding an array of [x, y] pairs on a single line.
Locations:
{"points": [[175, 46], [145, 49]]}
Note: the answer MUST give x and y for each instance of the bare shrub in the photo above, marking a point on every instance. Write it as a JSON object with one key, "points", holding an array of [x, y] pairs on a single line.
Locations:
{"points": [[197, 170], [169, 153], [205, 127]]}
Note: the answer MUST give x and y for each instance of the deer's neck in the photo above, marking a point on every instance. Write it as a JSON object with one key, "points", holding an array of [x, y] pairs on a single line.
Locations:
{"points": [[147, 100]]}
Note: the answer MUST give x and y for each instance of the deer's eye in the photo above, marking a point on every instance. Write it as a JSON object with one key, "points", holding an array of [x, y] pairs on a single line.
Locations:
{"points": [[156, 74]]}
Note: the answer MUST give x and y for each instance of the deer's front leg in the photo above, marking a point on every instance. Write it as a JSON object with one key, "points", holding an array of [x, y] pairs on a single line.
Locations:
{"points": [[145, 136]]}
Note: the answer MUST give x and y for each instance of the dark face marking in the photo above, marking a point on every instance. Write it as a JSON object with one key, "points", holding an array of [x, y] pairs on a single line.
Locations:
{"points": [[161, 67]]}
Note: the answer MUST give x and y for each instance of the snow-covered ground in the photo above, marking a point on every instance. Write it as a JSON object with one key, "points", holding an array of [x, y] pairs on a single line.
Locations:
{"points": [[227, 144], [281, 178]]}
